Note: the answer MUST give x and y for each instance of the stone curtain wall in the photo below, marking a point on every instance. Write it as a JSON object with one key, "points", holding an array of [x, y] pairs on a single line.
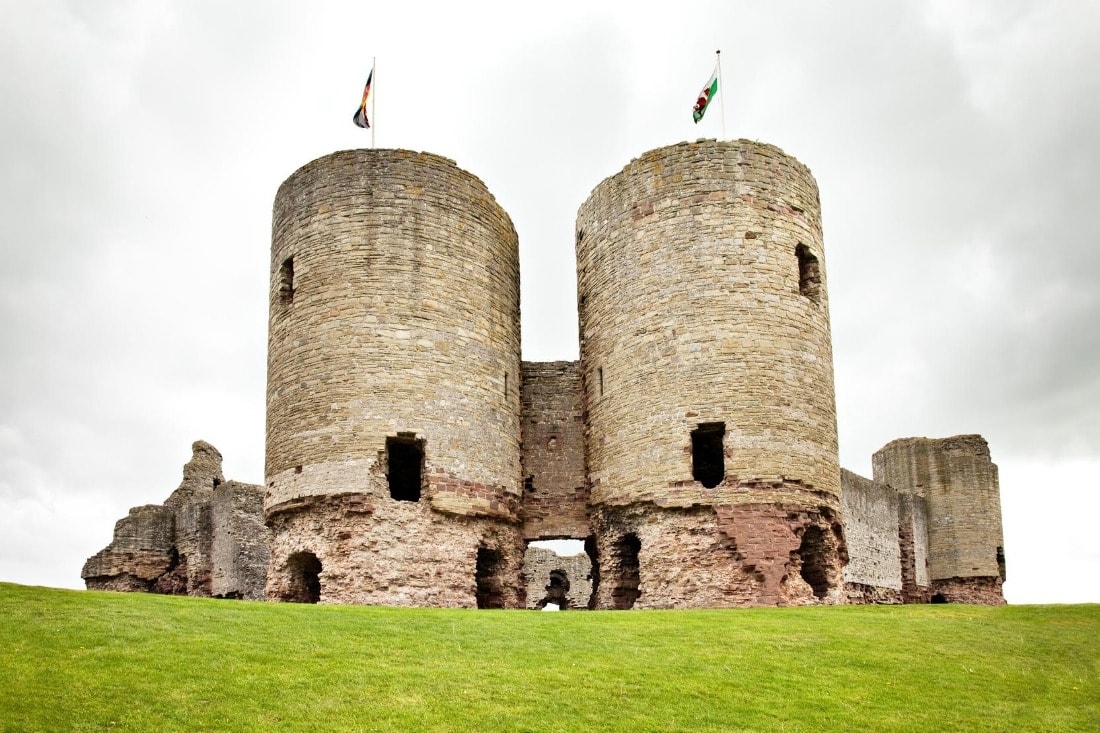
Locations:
{"points": [[555, 501], [871, 525], [576, 570], [959, 481], [394, 309], [691, 311]]}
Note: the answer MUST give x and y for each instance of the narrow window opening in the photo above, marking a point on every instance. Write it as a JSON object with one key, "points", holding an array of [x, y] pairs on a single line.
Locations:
{"points": [[628, 588], [217, 482], [487, 579], [600, 372], [505, 382], [304, 571], [814, 554], [809, 273], [708, 460], [286, 281], [405, 466], [529, 484]]}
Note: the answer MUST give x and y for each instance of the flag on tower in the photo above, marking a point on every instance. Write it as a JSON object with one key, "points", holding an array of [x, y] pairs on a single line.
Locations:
{"points": [[706, 96], [360, 116]]}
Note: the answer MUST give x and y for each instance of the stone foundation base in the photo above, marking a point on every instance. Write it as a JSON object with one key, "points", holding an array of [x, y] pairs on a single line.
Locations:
{"points": [[357, 549], [717, 557], [982, 591], [862, 594]]}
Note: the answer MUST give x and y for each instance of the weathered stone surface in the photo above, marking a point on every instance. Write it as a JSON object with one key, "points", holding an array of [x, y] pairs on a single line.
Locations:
{"points": [[394, 376], [241, 545], [959, 482], [141, 551], [715, 557], [565, 581], [693, 312], [380, 551], [170, 548], [693, 446], [555, 498], [887, 533]]}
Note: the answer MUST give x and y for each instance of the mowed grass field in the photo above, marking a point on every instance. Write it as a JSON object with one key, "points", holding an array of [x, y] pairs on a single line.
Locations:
{"points": [[86, 661]]}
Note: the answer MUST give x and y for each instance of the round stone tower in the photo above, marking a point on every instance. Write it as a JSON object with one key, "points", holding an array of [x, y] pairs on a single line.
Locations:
{"points": [[707, 362], [393, 429]]}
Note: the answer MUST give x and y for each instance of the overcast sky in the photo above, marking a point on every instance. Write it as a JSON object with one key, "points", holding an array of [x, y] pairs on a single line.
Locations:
{"points": [[956, 146]]}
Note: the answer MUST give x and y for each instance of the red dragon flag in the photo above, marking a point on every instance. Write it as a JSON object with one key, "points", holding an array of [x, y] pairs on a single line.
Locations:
{"points": [[360, 116], [706, 96]]}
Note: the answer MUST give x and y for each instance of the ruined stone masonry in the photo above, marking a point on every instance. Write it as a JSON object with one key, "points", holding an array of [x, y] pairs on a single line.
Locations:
{"points": [[207, 539], [412, 457]]}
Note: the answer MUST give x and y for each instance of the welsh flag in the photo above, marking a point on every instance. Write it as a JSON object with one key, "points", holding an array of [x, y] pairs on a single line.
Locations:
{"points": [[706, 96]]}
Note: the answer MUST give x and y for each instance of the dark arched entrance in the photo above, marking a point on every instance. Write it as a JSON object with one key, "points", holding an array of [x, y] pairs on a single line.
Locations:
{"points": [[304, 576]]}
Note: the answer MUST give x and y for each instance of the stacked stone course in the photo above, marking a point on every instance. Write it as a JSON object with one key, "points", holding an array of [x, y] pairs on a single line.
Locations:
{"points": [[402, 322], [411, 455]]}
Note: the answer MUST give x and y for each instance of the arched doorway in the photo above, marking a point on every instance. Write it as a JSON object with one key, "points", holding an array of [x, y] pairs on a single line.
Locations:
{"points": [[304, 576]]}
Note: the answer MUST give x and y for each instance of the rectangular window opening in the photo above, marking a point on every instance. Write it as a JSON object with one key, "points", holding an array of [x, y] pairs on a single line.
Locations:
{"points": [[405, 466], [809, 273], [286, 281], [708, 458]]}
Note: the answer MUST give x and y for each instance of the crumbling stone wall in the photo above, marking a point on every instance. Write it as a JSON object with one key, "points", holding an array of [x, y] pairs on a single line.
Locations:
{"points": [[393, 361], [565, 581], [555, 500], [718, 557], [384, 552], [240, 543], [959, 482], [171, 548]]}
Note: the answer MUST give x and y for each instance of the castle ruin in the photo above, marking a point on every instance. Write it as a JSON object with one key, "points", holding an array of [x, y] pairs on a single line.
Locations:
{"points": [[412, 457]]}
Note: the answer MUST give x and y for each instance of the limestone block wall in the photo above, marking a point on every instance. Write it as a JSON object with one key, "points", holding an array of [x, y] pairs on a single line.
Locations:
{"points": [[871, 527], [394, 348], [240, 542], [959, 481], [565, 581], [555, 499], [702, 299]]}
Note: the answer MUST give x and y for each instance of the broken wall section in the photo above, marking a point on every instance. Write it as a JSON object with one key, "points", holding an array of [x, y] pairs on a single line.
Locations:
{"points": [[960, 484], [170, 548], [565, 581], [240, 542], [555, 500]]}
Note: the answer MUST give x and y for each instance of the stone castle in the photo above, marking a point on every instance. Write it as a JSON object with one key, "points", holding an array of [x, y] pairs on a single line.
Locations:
{"points": [[411, 456]]}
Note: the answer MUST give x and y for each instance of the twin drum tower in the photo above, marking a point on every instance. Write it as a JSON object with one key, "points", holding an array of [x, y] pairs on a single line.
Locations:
{"points": [[411, 454]]}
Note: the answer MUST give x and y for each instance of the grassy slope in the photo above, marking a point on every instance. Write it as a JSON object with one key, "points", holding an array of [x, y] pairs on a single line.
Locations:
{"points": [[101, 661]]}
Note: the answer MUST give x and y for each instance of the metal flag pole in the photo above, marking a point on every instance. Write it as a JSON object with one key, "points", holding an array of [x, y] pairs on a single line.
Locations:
{"points": [[374, 98], [721, 91]]}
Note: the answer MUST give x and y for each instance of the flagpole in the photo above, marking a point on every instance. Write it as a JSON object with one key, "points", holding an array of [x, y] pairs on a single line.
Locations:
{"points": [[721, 91], [374, 99]]}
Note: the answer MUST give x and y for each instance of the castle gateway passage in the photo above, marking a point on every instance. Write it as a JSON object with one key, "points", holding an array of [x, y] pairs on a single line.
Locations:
{"points": [[412, 457]]}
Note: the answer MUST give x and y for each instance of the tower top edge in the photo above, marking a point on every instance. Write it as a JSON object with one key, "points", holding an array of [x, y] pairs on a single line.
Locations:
{"points": [[703, 151]]}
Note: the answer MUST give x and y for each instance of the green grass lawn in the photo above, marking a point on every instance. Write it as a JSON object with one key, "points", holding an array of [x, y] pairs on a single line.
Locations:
{"points": [[87, 661]]}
